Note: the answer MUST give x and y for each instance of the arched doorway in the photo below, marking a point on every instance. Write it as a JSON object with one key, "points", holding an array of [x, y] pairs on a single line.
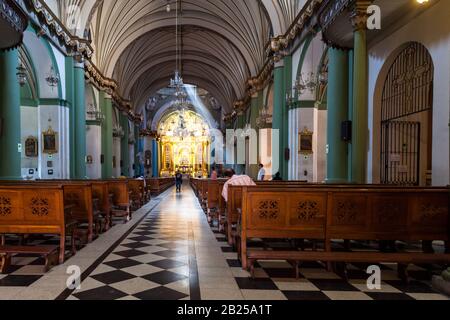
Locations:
{"points": [[406, 118]]}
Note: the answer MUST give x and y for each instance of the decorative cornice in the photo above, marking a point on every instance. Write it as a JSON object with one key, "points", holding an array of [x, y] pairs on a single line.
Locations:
{"points": [[14, 15], [331, 12], [149, 134], [52, 25], [110, 86], [81, 50]]}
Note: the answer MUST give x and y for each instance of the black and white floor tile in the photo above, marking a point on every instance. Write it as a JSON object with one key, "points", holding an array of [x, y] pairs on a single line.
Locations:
{"points": [[276, 280], [170, 252]]}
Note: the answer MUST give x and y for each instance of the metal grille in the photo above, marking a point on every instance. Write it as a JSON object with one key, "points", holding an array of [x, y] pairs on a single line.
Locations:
{"points": [[408, 90], [409, 85], [400, 154]]}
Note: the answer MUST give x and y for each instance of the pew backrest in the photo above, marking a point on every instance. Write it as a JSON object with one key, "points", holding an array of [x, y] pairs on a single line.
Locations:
{"points": [[32, 209]]}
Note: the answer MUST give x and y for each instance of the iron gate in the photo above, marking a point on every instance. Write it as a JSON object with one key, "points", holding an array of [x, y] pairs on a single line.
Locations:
{"points": [[400, 154], [408, 90]]}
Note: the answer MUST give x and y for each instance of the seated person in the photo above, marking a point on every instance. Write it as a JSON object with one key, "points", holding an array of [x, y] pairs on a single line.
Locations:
{"points": [[277, 177], [235, 180], [214, 175]]}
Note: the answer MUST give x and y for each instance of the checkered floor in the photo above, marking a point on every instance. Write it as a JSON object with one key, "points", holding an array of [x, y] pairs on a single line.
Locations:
{"points": [[151, 264], [25, 269], [276, 280], [174, 254]]}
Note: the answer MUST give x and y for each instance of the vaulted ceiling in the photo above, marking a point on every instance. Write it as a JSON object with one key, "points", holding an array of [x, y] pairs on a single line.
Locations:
{"points": [[224, 41]]}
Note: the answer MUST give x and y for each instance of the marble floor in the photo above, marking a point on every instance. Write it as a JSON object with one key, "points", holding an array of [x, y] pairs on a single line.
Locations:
{"points": [[170, 252]]}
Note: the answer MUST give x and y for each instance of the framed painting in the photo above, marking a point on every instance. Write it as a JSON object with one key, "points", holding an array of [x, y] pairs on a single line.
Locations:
{"points": [[31, 147], [306, 142], [50, 141]]}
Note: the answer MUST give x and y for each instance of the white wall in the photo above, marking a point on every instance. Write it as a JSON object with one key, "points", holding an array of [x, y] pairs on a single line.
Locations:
{"points": [[432, 29], [320, 145], [94, 149], [118, 156], [58, 118], [29, 128]]}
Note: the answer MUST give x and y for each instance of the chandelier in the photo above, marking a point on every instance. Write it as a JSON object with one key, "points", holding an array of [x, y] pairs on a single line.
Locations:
{"points": [[177, 81], [52, 78], [181, 101], [118, 131], [264, 118], [305, 82], [94, 113], [21, 74]]}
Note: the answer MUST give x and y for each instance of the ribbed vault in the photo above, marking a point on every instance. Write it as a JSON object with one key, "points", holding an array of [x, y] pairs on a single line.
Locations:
{"points": [[224, 41]]}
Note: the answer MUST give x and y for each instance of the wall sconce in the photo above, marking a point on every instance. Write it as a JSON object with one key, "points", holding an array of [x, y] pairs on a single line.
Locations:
{"points": [[52, 78], [21, 74]]}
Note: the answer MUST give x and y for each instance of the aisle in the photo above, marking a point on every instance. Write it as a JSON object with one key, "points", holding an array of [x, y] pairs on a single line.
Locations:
{"points": [[163, 258]]}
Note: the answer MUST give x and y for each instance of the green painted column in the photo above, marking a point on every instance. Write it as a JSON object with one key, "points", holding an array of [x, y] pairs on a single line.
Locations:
{"points": [[360, 105], [107, 136], [125, 152], [136, 150], [10, 157], [337, 113], [278, 159], [285, 127], [350, 111], [70, 97], [79, 107]]}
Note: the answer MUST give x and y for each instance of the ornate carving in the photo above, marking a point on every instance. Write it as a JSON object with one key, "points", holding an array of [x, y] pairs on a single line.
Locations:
{"points": [[5, 206], [430, 211], [388, 212], [308, 210], [347, 212], [39, 207], [268, 209], [359, 15]]}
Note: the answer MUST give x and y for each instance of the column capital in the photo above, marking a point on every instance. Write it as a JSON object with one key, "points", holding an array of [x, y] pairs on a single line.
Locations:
{"points": [[359, 14], [279, 64]]}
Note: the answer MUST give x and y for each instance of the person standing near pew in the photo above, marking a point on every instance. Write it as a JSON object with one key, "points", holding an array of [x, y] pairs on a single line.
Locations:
{"points": [[179, 181], [261, 173]]}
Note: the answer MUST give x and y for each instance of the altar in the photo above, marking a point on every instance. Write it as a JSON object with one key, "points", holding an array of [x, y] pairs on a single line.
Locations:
{"points": [[185, 144]]}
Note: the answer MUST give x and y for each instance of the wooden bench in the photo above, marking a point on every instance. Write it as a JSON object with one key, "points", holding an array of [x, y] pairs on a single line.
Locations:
{"points": [[234, 205], [215, 204], [33, 209], [79, 194], [119, 195], [49, 253], [138, 193], [327, 213], [159, 185]]}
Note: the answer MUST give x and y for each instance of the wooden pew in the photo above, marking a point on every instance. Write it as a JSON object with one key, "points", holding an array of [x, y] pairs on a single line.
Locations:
{"points": [[33, 209], [234, 205], [77, 194], [119, 197], [159, 185], [138, 192], [214, 200], [354, 213]]}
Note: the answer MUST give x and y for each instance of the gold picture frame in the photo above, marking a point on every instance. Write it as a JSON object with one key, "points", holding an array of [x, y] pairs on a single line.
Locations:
{"points": [[31, 147], [306, 142], [50, 141]]}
